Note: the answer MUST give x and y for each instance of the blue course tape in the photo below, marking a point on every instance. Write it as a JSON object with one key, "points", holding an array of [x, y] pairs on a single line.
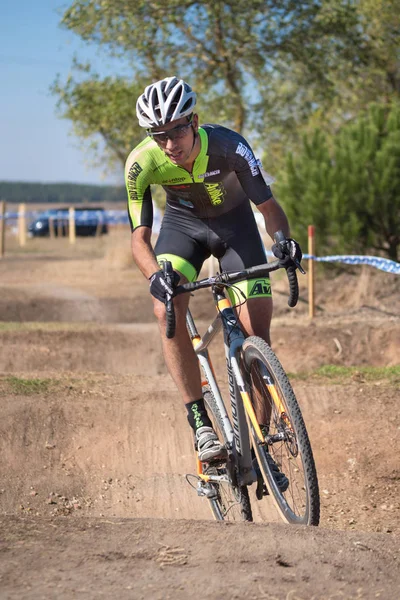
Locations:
{"points": [[384, 264]]}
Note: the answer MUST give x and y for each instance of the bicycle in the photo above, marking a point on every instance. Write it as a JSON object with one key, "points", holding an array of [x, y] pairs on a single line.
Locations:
{"points": [[266, 439]]}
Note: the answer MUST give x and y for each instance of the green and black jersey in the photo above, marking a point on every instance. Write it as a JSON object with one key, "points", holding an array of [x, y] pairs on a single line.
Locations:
{"points": [[225, 175]]}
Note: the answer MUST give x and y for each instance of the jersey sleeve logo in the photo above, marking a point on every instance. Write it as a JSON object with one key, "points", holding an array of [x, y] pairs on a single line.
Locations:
{"points": [[133, 174], [249, 157]]}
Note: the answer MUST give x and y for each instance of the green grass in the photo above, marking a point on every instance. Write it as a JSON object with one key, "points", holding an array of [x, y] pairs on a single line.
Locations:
{"points": [[27, 387], [339, 375]]}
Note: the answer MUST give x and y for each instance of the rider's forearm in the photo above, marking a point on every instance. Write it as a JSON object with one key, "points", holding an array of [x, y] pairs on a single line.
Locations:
{"points": [[275, 218], [142, 251]]}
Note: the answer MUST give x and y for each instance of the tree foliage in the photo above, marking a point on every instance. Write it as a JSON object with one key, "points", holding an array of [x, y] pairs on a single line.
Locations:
{"points": [[260, 64], [348, 185], [380, 20], [292, 76], [103, 112], [353, 79]]}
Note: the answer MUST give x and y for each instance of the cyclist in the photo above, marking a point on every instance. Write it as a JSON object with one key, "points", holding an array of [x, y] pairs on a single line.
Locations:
{"points": [[209, 174]]}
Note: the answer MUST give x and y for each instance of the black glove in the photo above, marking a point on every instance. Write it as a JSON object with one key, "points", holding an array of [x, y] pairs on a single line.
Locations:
{"points": [[159, 287], [288, 251]]}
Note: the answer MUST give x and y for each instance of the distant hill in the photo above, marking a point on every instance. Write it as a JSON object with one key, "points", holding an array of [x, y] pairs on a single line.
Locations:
{"points": [[14, 191]]}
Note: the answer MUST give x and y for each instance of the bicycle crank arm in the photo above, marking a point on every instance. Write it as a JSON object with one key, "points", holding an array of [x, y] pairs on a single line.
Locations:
{"points": [[216, 479]]}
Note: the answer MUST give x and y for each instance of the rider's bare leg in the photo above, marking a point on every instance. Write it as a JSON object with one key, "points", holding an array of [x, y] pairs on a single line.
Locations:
{"points": [[255, 317], [180, 358], [183, 366]]}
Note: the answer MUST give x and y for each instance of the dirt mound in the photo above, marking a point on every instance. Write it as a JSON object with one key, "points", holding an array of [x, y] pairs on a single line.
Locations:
{"points": [[82, 456], [136, 349], [121, 446], [93, 436], [72, 286]]}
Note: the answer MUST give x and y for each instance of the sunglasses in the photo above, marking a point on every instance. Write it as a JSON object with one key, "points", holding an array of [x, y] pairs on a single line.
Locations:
{"points": [[176, 133]]}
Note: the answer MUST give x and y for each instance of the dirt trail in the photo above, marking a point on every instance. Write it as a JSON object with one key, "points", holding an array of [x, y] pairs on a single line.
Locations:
{"points": [[95, 447], [162, 559], [120, 446]]}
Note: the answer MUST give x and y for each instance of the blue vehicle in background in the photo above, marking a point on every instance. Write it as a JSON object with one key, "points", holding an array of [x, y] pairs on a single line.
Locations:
{"points": [[88, 221]]}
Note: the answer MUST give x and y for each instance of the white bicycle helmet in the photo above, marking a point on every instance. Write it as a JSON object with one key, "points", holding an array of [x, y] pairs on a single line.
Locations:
{"points": [[163, 101]]}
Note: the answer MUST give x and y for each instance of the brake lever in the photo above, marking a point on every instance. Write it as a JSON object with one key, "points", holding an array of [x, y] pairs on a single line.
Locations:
{"points": [[298, 265]]}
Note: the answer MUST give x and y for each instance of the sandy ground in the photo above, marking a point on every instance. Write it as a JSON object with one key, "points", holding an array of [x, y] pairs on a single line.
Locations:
{"points": [[95, 445]]}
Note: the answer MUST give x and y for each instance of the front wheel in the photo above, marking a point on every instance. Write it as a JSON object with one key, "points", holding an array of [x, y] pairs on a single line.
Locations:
{"points": [[228, 502], [284, 456]]}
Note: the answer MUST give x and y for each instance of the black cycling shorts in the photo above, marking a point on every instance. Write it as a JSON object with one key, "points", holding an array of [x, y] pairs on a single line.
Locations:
{"points": [[233, 238]]}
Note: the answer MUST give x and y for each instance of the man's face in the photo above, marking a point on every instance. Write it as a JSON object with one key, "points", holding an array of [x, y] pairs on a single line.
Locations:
{"points": [[179, 148]]}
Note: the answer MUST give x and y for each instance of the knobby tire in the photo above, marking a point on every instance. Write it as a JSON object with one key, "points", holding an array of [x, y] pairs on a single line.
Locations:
{"points": [[300, 503]]}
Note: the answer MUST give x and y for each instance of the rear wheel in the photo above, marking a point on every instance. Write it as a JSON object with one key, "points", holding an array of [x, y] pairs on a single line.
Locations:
{"points": [[286, 449], [228, 502]]}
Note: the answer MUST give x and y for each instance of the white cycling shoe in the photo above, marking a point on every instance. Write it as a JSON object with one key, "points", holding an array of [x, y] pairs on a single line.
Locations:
{"points": [[208, 445]]}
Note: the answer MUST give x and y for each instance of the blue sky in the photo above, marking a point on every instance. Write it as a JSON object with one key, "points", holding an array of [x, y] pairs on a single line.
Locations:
{"points": [[35, 144]]}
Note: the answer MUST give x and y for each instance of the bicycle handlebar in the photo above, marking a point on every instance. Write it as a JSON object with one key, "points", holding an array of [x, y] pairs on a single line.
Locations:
{"points": [[230, 278]]}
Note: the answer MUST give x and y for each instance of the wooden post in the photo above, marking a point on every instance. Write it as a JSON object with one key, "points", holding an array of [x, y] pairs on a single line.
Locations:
{"points": [[59, 225], [2, 227], [51, 227], [311, 251], [22, 224], [99, 226], [72, 228]]}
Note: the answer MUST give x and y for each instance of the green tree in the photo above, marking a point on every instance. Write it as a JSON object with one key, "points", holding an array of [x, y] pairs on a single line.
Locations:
{"points": [[348, 185], [232, 51], [103, 114], [380, 20], [294, 105]]}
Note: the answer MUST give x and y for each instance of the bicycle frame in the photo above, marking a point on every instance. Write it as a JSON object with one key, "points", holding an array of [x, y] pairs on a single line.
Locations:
{"points": [[236, 432]]}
